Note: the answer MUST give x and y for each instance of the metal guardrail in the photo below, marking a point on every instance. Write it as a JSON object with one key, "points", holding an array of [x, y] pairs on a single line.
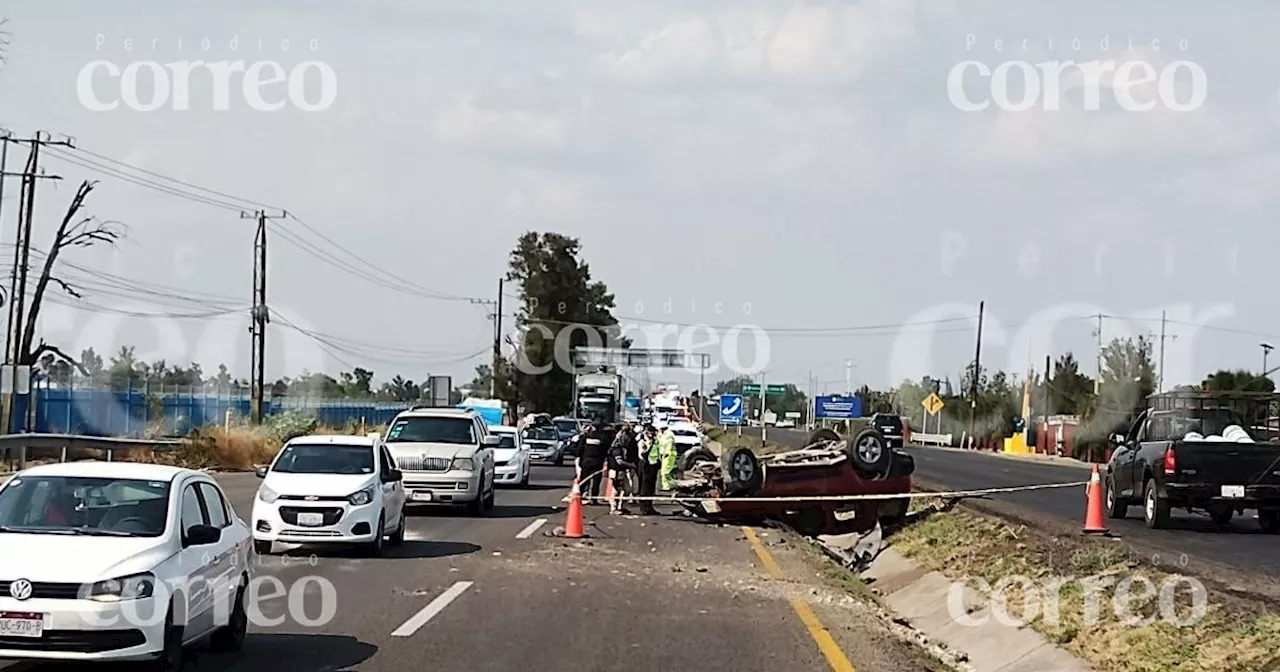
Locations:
{"points": [[21, 443]]}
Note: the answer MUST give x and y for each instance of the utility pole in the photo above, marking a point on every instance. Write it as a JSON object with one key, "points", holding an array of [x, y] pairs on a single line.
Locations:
{"points": [[15, 348], [1164, 320], [497, 344], [496, 306], [1097, 381], [1044, 399], [977, 371], [260, 315], [764, 390], [848, 376]]}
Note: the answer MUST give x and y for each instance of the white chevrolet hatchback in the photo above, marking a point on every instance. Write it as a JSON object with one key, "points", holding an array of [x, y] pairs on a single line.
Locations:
{"points": [[331, 490], [119, 561]]}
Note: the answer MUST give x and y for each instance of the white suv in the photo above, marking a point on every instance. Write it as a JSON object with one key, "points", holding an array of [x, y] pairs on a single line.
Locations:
{"points": [[446, 456], [330, 489]]}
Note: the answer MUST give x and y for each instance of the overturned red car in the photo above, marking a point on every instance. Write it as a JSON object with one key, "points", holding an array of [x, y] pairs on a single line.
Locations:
{"points": [[826, 466]]}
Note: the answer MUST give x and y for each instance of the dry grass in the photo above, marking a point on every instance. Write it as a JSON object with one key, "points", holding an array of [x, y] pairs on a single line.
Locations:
{"points": [[1234, 633], [234, 448]]}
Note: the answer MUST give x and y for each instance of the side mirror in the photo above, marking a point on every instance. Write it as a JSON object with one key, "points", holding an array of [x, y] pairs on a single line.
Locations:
{"points": [[262, 471], [202, 535], [491, 441], [1117, 439], [393, 476]]}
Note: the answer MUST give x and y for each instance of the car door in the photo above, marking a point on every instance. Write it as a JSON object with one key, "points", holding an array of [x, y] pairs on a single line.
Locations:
{"points": [[194, 563], [484, 452], [1126, 457], [222, 566], [392, 491]]}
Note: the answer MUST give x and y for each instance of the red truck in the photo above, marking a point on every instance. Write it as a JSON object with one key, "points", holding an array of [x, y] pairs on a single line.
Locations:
{"points": [[826, 466]]}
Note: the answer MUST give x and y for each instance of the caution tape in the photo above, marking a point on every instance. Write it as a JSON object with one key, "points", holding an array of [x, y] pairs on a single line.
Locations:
{"points": [[953, 494]]}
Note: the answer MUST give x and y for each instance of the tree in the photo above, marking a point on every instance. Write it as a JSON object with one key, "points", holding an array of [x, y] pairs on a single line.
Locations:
{"points": [[122, 369], [1070, 391], [1128, 375], [1238, 381], [73, 231], [91, 364], [557, 293], [4, 42]]}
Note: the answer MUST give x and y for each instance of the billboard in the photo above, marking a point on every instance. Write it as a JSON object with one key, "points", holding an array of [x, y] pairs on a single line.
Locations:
{"points": [[837, 407]]}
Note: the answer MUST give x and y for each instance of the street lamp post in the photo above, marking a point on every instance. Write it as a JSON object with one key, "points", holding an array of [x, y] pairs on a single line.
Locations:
{"points": [[1266, 350]]}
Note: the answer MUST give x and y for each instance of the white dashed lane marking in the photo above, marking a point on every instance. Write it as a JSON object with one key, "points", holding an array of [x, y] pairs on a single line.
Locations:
{"points": [[431, 610], [533, 527]]}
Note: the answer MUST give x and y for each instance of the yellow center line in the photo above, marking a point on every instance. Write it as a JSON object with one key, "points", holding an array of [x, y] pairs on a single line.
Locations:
{"points": [[821, 636]]}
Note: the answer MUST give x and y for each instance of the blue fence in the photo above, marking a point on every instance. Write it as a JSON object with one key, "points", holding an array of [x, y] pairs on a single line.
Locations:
{"points": [[98, 412]]}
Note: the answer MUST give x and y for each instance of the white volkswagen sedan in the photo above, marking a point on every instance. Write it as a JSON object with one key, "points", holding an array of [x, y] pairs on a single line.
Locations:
{"points": [[119, 561], [332, 490]]}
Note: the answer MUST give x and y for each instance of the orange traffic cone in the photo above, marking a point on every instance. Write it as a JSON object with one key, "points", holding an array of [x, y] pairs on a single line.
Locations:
{"points": [[608, 486], [1094, 519], [573, 514]]}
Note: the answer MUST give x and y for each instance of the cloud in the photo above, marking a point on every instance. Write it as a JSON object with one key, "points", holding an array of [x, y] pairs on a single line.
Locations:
{"points": [[466, 123]]}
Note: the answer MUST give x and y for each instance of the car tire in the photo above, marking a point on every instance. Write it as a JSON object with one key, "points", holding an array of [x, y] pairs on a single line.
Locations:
{"points": [[524, 482], [870, 453], [894, 511], [559, 460], [373, 549], [475, 507], [1155, 509], [397, 537], [1269, 520], [262, 547], [1117, 507], [230, 637], [170, 658], [742, 472], [689, 459], [822, 436]]}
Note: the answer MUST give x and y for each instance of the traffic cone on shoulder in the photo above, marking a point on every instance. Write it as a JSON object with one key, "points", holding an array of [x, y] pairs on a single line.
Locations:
{"points": [[573, 514], [1094, 518]]}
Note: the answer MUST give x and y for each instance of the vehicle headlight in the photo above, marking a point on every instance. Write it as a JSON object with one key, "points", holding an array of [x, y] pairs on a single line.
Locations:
{"points": [[133, 587], [463, 464], [267, 495], [363, 497]]}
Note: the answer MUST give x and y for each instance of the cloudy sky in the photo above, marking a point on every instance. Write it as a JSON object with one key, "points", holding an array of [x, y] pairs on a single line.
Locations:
{"points": [[803, 167]]}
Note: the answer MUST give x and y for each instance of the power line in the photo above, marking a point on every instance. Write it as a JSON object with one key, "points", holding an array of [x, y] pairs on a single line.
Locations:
{"points": [[229, 202]]}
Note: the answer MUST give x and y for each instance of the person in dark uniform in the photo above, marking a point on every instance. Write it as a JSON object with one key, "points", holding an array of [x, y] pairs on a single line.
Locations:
{"points": [[647, 459], [592, 451]]}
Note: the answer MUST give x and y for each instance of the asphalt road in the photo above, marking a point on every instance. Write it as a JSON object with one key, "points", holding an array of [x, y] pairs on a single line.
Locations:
{"points": [[1242, 545], [485, 593]]}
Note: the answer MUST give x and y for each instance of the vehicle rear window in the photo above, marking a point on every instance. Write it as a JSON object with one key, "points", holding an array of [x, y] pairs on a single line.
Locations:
{"points": [[888, 421], [432, 430]]}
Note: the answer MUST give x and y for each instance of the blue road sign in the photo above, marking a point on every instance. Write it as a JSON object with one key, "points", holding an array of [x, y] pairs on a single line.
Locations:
{"points": [[837, 407], [732, 409]]}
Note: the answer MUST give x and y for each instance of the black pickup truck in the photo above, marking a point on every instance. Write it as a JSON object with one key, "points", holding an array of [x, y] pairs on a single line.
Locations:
{"points": [[1158, 467]]}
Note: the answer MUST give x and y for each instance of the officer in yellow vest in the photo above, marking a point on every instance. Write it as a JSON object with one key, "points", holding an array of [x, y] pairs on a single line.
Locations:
{"points": [[666, 455]]}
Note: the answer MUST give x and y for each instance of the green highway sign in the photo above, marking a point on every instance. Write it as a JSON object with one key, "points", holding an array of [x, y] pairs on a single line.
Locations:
{"points": [[754, 388]]}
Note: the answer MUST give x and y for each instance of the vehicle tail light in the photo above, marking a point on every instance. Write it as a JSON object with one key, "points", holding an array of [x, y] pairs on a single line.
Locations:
{"points": [[1170, 462]]}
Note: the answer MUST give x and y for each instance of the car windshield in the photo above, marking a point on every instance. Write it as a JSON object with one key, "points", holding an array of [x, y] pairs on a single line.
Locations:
{"points": [[567, 426], [324, 458], [433, 430], [544, 433], [506, 441], [118, 507], [684, 432]]}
